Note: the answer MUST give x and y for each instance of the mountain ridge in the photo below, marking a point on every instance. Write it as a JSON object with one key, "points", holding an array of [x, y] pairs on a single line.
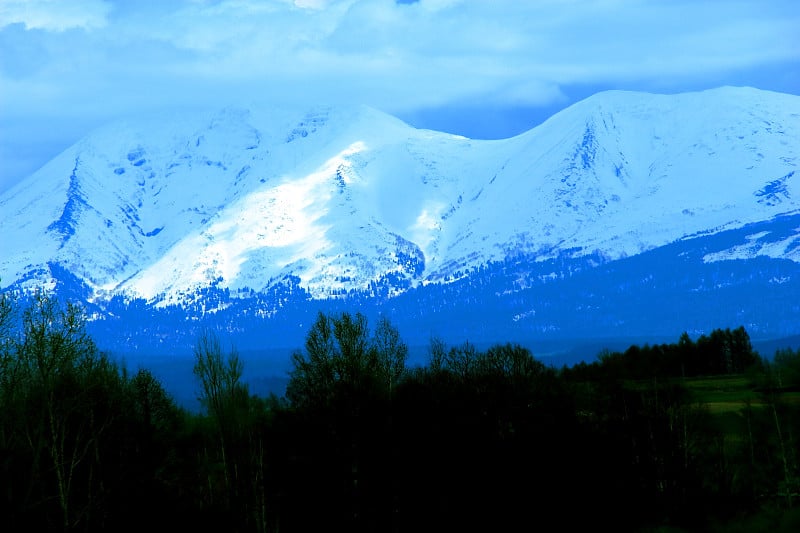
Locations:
{"points": [[343, 197]]}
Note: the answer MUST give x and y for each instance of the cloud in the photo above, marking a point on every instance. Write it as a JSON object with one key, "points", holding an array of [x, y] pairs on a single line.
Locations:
{"points": [[54, 15], [312, 4], [394, 55], [91, 60]]}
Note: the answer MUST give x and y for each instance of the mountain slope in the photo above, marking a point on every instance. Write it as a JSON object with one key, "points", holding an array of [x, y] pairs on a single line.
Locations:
{"points": [[342, 198]]}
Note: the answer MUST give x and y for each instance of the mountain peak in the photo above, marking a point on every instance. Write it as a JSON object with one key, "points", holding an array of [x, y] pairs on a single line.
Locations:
{"points": [[344, 197]]}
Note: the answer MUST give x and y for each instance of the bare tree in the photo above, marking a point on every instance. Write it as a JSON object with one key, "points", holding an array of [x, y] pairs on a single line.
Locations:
{"points": [[61, 386], [341, 353]]}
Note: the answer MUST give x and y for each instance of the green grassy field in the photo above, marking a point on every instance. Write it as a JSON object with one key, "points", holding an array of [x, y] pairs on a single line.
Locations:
{"points": [[725, 394], [727, 399]]}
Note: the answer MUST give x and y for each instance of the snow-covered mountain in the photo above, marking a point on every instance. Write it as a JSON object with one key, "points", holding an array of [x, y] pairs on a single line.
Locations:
{"points": [[341, 198]]}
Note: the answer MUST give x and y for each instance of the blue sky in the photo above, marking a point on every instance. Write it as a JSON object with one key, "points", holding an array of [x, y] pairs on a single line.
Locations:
{"points": [[480, 68]]}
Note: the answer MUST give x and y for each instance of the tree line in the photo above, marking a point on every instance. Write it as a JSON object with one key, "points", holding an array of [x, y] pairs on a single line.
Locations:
{"points": [[473, 440]]}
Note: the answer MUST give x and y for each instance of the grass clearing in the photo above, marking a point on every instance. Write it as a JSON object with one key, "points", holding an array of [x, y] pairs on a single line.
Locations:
{"points": [[726, 397], [725, 394]]}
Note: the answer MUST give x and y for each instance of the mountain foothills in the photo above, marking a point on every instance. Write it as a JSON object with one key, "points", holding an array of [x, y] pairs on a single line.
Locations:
{"points": [[626, 214]]}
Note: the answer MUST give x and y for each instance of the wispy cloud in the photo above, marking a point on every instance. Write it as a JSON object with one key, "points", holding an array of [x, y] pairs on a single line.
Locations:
{"points": [[384, 53], [54, 15], [89, 60]]}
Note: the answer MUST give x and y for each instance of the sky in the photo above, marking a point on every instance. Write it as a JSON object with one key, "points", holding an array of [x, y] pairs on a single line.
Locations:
{"points": [[480, 68]]}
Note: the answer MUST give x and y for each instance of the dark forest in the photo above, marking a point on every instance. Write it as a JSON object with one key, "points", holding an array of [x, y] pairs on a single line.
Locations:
{"points": [[695, 435]]}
